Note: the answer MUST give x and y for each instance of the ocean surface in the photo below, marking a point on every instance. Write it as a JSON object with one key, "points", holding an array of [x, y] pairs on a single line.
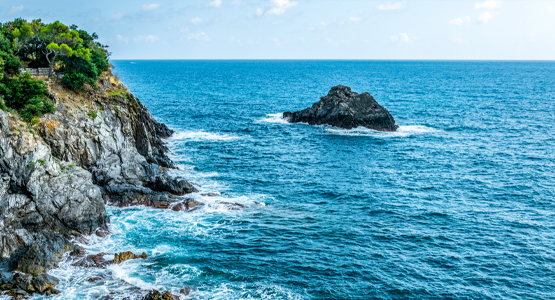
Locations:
{"points": [[459, 203]]}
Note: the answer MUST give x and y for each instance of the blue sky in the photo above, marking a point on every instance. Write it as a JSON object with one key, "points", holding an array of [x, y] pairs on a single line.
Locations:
{"points": [[307, 29]]}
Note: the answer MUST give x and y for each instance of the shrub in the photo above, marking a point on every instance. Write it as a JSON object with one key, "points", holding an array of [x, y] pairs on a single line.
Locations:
{"points": [[19, 90], [36, 107], [79, 72]]}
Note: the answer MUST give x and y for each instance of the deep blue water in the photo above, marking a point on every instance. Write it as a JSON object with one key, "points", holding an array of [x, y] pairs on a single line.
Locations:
{"points": [[458, 204]]}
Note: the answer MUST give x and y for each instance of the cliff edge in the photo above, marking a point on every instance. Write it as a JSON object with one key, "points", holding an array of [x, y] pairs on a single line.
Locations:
{"points": [[58, 172]]}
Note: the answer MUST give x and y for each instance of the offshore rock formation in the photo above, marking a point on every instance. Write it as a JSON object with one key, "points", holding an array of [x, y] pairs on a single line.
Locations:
{"points": [[57, 174], [346, 109]]}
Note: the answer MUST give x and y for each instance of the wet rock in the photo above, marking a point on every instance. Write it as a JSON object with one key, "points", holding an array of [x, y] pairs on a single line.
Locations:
{"points": [[24, 282], [51, 292], [44, 282], [177, 186], [187, 205], [93, 261], [121, 257], [94, 279], [185, 291], [17, 293], [156, 295], [211, 194], [102, 233], [345, 109], [44, 253], [231, 206]]}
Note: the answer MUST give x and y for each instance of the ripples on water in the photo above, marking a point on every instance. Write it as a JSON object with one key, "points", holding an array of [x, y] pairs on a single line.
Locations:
{"points": [[459, 203]]}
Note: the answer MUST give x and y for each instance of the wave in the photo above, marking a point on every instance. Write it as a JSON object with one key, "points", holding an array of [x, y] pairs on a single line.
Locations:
{"points": [[275, 118], [402, 131], [198, 136]]}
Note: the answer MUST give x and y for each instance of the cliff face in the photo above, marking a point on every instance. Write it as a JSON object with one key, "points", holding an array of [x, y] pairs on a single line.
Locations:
{"points": [[57, 175]]}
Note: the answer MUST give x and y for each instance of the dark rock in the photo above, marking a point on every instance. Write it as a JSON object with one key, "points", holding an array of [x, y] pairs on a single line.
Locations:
{"points": [[24, 282], [44, 253], [121, 257], [44, 282], [188, 205], [345, 109], [94, 279], [51, 292], [156, 295], [177, 186], [231, 206], [17, 293], [185, 291], [93, 261], [162, 130], [211, 194], [102, 233], [6, 278]]}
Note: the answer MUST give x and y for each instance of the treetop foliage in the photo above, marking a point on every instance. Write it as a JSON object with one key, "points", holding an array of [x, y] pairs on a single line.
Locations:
{"points": [[65, 49]]}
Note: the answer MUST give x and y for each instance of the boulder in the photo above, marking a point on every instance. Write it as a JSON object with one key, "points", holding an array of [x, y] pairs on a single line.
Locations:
{"points": [[345, 109], [121, 257], [44, 282], [93, 261], [44, 253], [156, 295]]}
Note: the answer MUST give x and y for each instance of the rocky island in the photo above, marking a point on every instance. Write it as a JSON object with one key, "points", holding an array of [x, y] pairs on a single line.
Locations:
{"points": [[69, 146], [346, 109]]}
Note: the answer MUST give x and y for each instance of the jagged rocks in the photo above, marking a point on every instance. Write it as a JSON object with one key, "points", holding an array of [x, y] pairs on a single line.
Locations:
{"points": [[44, 253], [21, 284], [345, 109], [121, 257], [44, 282], [57, 175], [187, 205], [156, 295], [93, 261], [99, 260]]}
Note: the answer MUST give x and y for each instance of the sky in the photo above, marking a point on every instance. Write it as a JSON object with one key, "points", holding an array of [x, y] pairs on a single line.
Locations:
{"points": [[307, 29]]}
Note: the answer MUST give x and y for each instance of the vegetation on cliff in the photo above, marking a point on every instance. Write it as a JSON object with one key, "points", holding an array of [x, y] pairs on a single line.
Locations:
{"points": [[66, 49]]}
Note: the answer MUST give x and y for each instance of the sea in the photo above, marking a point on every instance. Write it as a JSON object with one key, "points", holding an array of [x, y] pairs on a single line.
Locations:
{"points": [[458, 203]]}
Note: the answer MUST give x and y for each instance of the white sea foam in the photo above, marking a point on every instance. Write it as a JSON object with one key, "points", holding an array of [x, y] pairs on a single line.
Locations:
{"points": [[402, 131], [275, 118], [202, 136]]}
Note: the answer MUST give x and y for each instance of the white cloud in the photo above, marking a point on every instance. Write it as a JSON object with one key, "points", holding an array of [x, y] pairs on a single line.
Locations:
{"points": [[201, 36], [122, 38], [117, 16], [459, 21], [151, 7], [277, 7], [215, 3], [401, 38], [196, 21], [16, 9], [323, 23], [488, 4], [146, 38], [391, 6], [485, 17], [355, 19]]}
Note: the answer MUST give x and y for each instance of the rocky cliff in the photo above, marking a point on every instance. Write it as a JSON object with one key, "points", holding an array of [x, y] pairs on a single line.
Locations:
{"points": [[57, 174]]}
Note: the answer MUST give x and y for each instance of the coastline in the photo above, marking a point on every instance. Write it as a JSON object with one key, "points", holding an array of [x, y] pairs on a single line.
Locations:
{"points": [[98, 148]]}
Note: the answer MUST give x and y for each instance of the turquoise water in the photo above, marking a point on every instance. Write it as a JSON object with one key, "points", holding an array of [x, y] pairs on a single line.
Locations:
{"points": [[459, 203]]}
